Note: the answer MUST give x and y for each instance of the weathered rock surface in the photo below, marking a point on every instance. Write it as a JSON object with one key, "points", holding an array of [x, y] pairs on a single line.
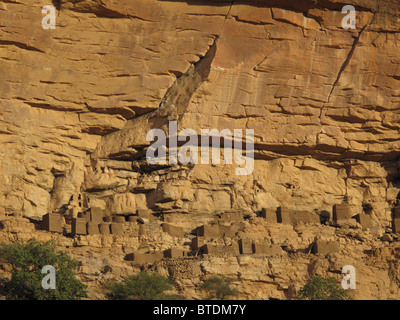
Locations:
{"points": [[288, 262], [77, 102]]}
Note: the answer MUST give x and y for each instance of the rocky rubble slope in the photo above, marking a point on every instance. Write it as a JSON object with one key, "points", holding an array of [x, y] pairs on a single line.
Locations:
{"points": [[278, 275], [77, 102]]}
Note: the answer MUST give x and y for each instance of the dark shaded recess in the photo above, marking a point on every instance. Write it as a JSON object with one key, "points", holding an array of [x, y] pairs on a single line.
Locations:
{"points": [[57, 4], [211, 140], [324, 152], [20, 45], [302, 5], [99, 9], [324, 216], [367, 208]]}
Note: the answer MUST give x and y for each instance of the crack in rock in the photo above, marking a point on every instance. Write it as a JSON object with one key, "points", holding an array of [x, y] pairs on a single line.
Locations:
{"points": [[182, 90], [344, 66], [20, 45], [346, 61], [226, 17]]}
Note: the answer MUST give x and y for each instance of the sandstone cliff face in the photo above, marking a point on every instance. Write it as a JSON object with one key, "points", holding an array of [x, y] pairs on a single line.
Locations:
{"points": [[77, 102]]}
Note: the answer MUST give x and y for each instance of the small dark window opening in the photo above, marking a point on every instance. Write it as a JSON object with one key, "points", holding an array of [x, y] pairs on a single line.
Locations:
{"points": [[367, 208]]}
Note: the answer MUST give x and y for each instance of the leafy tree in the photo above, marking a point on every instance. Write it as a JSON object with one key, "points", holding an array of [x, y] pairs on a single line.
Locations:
{"points": [[142, 286], [322, 289], [27, 260], [218, 288]]}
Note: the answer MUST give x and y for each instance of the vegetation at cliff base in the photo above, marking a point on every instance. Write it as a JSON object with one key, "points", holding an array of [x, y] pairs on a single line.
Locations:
{"points": [[26, 260], [218, 288], [320, 288], [142, 286]]}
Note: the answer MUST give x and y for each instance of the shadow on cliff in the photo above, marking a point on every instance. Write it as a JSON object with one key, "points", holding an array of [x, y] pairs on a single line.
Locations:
{"points": [[299, 5], [57, 4]]}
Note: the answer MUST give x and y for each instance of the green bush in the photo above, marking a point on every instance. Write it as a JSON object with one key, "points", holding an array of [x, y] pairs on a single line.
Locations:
{"points": [[27, 260], [322, 289], [142, 286], [218, 288]]}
